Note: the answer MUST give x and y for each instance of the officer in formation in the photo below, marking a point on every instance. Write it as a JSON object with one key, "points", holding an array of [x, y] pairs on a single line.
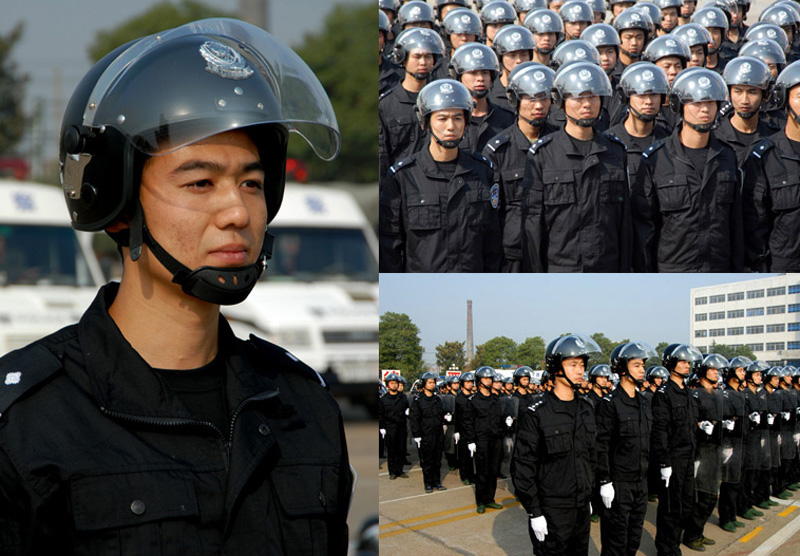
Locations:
{"points": [[427, 418], [620, 219], [392, 411]]}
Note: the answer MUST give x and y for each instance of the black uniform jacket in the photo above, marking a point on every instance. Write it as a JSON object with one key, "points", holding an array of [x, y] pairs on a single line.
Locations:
{"points": [[554, 455], [399, 132], [675, 420], [772, 206], [726, 133], [481, 130], [426, 416], [687, 222], [392, 411], [578, 207], [483, 418], [462, 400], [100, 457], [634, 153], [623, 437], [433, 223]]}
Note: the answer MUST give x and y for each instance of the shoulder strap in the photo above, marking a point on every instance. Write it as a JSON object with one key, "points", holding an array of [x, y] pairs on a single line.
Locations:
{"points": [[23, 370]]}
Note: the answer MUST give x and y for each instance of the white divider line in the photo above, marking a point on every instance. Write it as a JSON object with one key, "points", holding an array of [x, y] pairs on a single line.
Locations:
{"points": [[776, 540]]}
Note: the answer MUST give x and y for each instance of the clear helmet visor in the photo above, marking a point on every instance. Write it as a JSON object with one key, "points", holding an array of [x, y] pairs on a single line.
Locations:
{"points": [[242, 77]]}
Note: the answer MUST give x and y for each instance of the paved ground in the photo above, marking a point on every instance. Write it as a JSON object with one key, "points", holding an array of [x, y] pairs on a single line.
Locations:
{"points": [[445, 523]]}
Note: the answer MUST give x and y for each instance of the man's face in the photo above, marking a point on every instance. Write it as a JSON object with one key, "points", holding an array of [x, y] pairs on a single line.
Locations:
{"points": [[534, 108], [657, 381], [716, 37], [513, 59], [745, 98], [698, 58], [599, 17], [545, 40], [794, 100], [789, 32], [446, 9], [687, 8], [486, 382], [573, 29], [646, 104], [448, 124], [492, 29], [574, 366], [457, 39], [755, 378], [583, 107], [392, 385], [455, 387], [617, 9], [468, 385], [739, 372], [632, 40], [712, 375], [555, 5], [671, 65], [524, 381], [702, 112], [682, 368], [509, 387], [736, 18], [636, 369], [608, 57], [205, 205], [430, 384], [669, 19], [419, 61], [478, 80], [420, 24]]}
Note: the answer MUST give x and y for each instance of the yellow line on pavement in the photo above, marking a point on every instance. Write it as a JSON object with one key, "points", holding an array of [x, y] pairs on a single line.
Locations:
{"points": [[424, 517], [749, 536], [788, 510], [472, 513]]}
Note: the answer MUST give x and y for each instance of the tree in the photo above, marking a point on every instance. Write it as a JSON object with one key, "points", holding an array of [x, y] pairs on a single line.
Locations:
{"points": [[449, 354], [531, 352], [730, 352], [13, 121], [606, 345], [158, 18], [477, 359], [344, 57], [400, 346], [499, 351]]}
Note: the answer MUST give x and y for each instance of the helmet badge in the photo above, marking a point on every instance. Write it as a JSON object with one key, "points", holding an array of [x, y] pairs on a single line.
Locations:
{"points": [[224, 61], [648, 76], [585, 75], [704, 82], [538, 75], [446, 88]]}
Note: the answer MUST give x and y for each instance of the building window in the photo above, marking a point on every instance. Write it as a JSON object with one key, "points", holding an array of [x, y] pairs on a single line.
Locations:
{"points": [[700, 333], [756, 347], [793, 327], [758, 311], [738, 313], [775, 346], [792, 345], [736, 296], [700, 300], [716, 332], [755, 329], [717, 315], [776, 328], [716, 298], [776, 291], [794, 308], [700, 317], [794, 289], [737, 331], [755, 294], [776, 310]]}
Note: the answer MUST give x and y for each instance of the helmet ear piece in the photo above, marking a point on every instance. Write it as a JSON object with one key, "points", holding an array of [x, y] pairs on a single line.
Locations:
{"points": [[675, 103], [780, 96], [453, 73], [512, 99], [420, 118], [557, 99]]}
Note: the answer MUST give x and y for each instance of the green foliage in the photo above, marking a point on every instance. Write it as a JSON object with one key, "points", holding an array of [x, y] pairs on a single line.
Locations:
{"points": [[13, 121], [607, 345], [158, 18], [498, 351], [400, 346], [729, 352], [449, 354], [531, 353], [344, 56]]}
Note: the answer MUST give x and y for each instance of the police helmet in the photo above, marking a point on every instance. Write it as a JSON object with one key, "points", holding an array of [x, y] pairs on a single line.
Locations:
{"points": [[773, 372], [630, 351], [657, 371], [600, 35], [680, 352], [570, 52], [442, 3], [769, 31], [664, 4], [598, 6], [443, 94], [415, 11], [417, 38], [665, 46], [513, 38], [389, 5], [750, 71], [693, 34], [728, 7], [135, 104], [498, 12], [697, 85], [631, 18], [484, 372], [756, 366], [712, 361], [766, 50], [787, 79], [780, 15], [734, 363], [383, 23], [454, 379], [473, 57], [596, 371], [392, 376], [529, 79], [462, 21], [580, 78], [403, 380], [575, 11], [613, 2], [498, 377], [544, 21], [710, 16], [468, 376], [508, 380], [522, 372], [529, 5], [614, 355], [652, 10], [567, 347]]}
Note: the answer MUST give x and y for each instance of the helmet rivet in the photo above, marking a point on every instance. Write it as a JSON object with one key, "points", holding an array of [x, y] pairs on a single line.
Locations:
{"points": [[238, 91], [221, 103], [121, 119]]}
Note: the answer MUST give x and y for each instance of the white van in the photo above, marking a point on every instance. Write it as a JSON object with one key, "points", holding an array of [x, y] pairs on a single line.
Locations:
{"points": [[319, 295], [48, 272]]}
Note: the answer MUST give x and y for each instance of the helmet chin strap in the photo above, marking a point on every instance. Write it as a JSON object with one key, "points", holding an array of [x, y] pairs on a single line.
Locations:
{"points": [[535, 122], [544, 51], [700, 128], [452, 144], [646, 118], [421, 76], [479, 93], [747, 115], [583, 122], [631, 55], [794, 114]]}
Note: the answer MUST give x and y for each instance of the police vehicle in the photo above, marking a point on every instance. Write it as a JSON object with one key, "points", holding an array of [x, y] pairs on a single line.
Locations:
{"points": [[319, 296], [48, 272]]}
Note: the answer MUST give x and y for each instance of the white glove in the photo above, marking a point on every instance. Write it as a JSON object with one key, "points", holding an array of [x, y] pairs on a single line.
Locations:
{"points": [[418, 441], [406, 412], [509, 421], [456, 436], [755, 417], [666, 473], [383, 432], [471, 447], [707, 427], [728, 424], [448, 417], [770, 418], [444, 429], [539, 526], [786, 415], [607, 494]]}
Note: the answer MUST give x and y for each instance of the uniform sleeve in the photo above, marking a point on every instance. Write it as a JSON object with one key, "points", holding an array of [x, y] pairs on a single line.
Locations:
{"points": [[469, 422], [660, 438], [646, 217], [17, 520], [533, 235], [755, 215], [605, 417], [383, 146], [493, 238], [626, 237], [391, 231], [525, 461]]}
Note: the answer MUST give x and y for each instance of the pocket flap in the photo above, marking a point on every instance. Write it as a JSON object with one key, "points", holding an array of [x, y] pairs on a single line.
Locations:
{"points": [[307, 490]]}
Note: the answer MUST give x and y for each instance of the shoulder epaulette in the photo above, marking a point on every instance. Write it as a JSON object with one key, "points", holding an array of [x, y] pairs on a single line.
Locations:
{"points": [[616, 139], [408, 161], [277, 353], [662, 388], [537, 145], [385, 94], [479, 156], [23, 370], [654, 147], [760, 147], [536, 402], [499, 140]]}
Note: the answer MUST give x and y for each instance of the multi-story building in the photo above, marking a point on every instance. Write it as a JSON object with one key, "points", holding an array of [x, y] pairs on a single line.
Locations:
{"points": [[763, 314]]}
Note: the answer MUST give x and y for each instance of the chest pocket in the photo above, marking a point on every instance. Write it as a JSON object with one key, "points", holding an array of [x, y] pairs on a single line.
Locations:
{"points": [[680, 413], [558, 440], [726, 187], [153, 513], [479, 200], [559, 187], [785, 192], [614, 181], [629, 425], [512, 185], [423, 212], [673, 193]]}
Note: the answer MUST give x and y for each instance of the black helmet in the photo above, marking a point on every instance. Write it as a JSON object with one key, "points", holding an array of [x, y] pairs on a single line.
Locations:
{"points": [[600, 35], [735, 363], [462, 21], [596, 371], [529, 5], [442, 3], [652, 10], [497, 377], [766, 50], [391, 376], [664, 4], [631, 18], [468, 376], [473, 57], [383, 23], [578, 78], [665, 46], [750, 71], [403, 380], [429, 375], [544, 21], [756, 366], [529, 78], [574, 11], [508, 380], [772, 373], [612, 358], [160, 93], [498, 12], [570, 52], [390, 5], [764, 30], [417, 38], [697, 85], [415, 11], [522, 372], [782, 16], [454, 379], [693, 34], [512, 38], [442, 94], [657, 371], [484, 372], [710, 16], [680, 352], [712, 361], [643, 78], [566, 347], [630, 351]]}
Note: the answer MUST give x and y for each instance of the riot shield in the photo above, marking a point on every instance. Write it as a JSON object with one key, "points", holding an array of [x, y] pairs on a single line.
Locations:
{"points": [[788, 446], [733, 439], [449, 406], [708, 458]]}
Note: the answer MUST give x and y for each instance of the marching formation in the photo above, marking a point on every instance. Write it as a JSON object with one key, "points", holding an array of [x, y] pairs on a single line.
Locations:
{"points": [[597, 443], [535, 137]]}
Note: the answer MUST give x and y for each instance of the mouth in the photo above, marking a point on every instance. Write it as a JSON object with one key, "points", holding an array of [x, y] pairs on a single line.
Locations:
{"points": [[234, 254]]}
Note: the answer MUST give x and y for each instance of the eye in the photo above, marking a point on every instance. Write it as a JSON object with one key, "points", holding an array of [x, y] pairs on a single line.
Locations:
{"points": [[253, 184], [201, 184]]}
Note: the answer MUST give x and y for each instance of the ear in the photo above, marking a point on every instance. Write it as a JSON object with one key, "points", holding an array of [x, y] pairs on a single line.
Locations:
{"points": [[118, 226]]}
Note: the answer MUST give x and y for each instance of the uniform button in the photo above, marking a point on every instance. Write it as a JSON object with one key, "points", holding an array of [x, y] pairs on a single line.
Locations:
{"points": [[138, 507], [263, 430]]}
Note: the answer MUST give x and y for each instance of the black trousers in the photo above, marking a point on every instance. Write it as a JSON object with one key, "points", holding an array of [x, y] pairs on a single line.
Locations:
{"points": [[395, 442], [567, 532], [466, 465], [729, 501], [430, 456], [621, 524], [674, 507], [763, 484], [750, 496], [702, 509], [487, 466]]}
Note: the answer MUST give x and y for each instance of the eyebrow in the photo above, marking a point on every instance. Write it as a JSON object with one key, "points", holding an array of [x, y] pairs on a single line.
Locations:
{"points": [[191, 165]]}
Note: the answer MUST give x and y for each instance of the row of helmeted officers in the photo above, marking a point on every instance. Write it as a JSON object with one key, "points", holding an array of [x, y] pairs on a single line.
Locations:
{"points": [[695, 433], [530, 139]]}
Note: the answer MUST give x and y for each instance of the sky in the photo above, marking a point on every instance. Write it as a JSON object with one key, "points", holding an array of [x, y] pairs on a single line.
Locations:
{"points": [[54, 47], [644, 307]]}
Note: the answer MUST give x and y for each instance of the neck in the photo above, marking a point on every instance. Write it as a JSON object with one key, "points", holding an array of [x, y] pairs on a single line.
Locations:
{"points": [[694, 139], [529, 131], [427, 392], [792, 129], [541, 58], [707, 384], [745, 126], [481, 107], [440, 154], [637, 128], [412, 84], [577, 132], [147, 305], [626, 60], [504, 79], [676, 378], [563, 390], [597, 390], [627, 384], [753, 388], [712, 60], [485, 391]]}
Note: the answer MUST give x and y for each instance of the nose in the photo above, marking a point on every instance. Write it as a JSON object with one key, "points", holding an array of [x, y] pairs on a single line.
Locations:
{"points": [[232, 209]]}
